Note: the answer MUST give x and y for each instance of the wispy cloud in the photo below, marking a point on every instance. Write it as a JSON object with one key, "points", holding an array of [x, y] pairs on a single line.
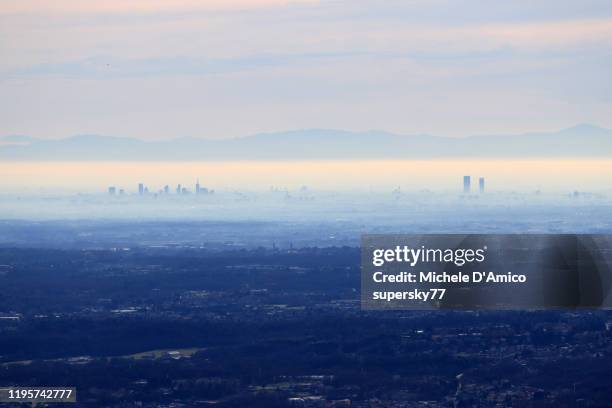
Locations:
{"points": [[133, 6], [436, 66], [108, 67]]}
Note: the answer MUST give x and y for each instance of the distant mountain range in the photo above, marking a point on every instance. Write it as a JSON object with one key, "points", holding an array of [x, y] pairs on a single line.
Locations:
{"points": [[576, 142]]}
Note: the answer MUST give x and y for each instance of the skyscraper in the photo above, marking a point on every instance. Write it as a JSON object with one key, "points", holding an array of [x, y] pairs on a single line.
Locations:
{"points": [[197, 187], [178, 189], [112, 190], [140, 188], [467, 184], [481, 185]]}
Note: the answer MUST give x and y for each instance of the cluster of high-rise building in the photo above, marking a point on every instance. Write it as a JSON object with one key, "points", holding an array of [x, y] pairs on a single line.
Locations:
{"points": [[180, 189], [198, 189], [467, 185], [112, 190]]}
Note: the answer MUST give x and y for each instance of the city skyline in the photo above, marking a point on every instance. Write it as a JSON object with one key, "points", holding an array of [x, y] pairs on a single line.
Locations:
{"points": [[561, 175], [143, 189]]}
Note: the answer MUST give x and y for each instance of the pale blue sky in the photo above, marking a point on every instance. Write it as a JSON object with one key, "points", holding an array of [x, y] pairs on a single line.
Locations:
{"points": [[165, 69]]}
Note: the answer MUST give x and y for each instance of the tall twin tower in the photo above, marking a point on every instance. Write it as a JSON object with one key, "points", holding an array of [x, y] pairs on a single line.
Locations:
{"points": [[467, 184]]}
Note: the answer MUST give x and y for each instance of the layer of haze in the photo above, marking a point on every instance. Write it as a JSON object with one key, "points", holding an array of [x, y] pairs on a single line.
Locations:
{"points": [[434, 175], [165, 69]]}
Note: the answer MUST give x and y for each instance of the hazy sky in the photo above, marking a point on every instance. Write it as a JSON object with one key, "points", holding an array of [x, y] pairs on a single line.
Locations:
{"points": [[220, 68]]}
